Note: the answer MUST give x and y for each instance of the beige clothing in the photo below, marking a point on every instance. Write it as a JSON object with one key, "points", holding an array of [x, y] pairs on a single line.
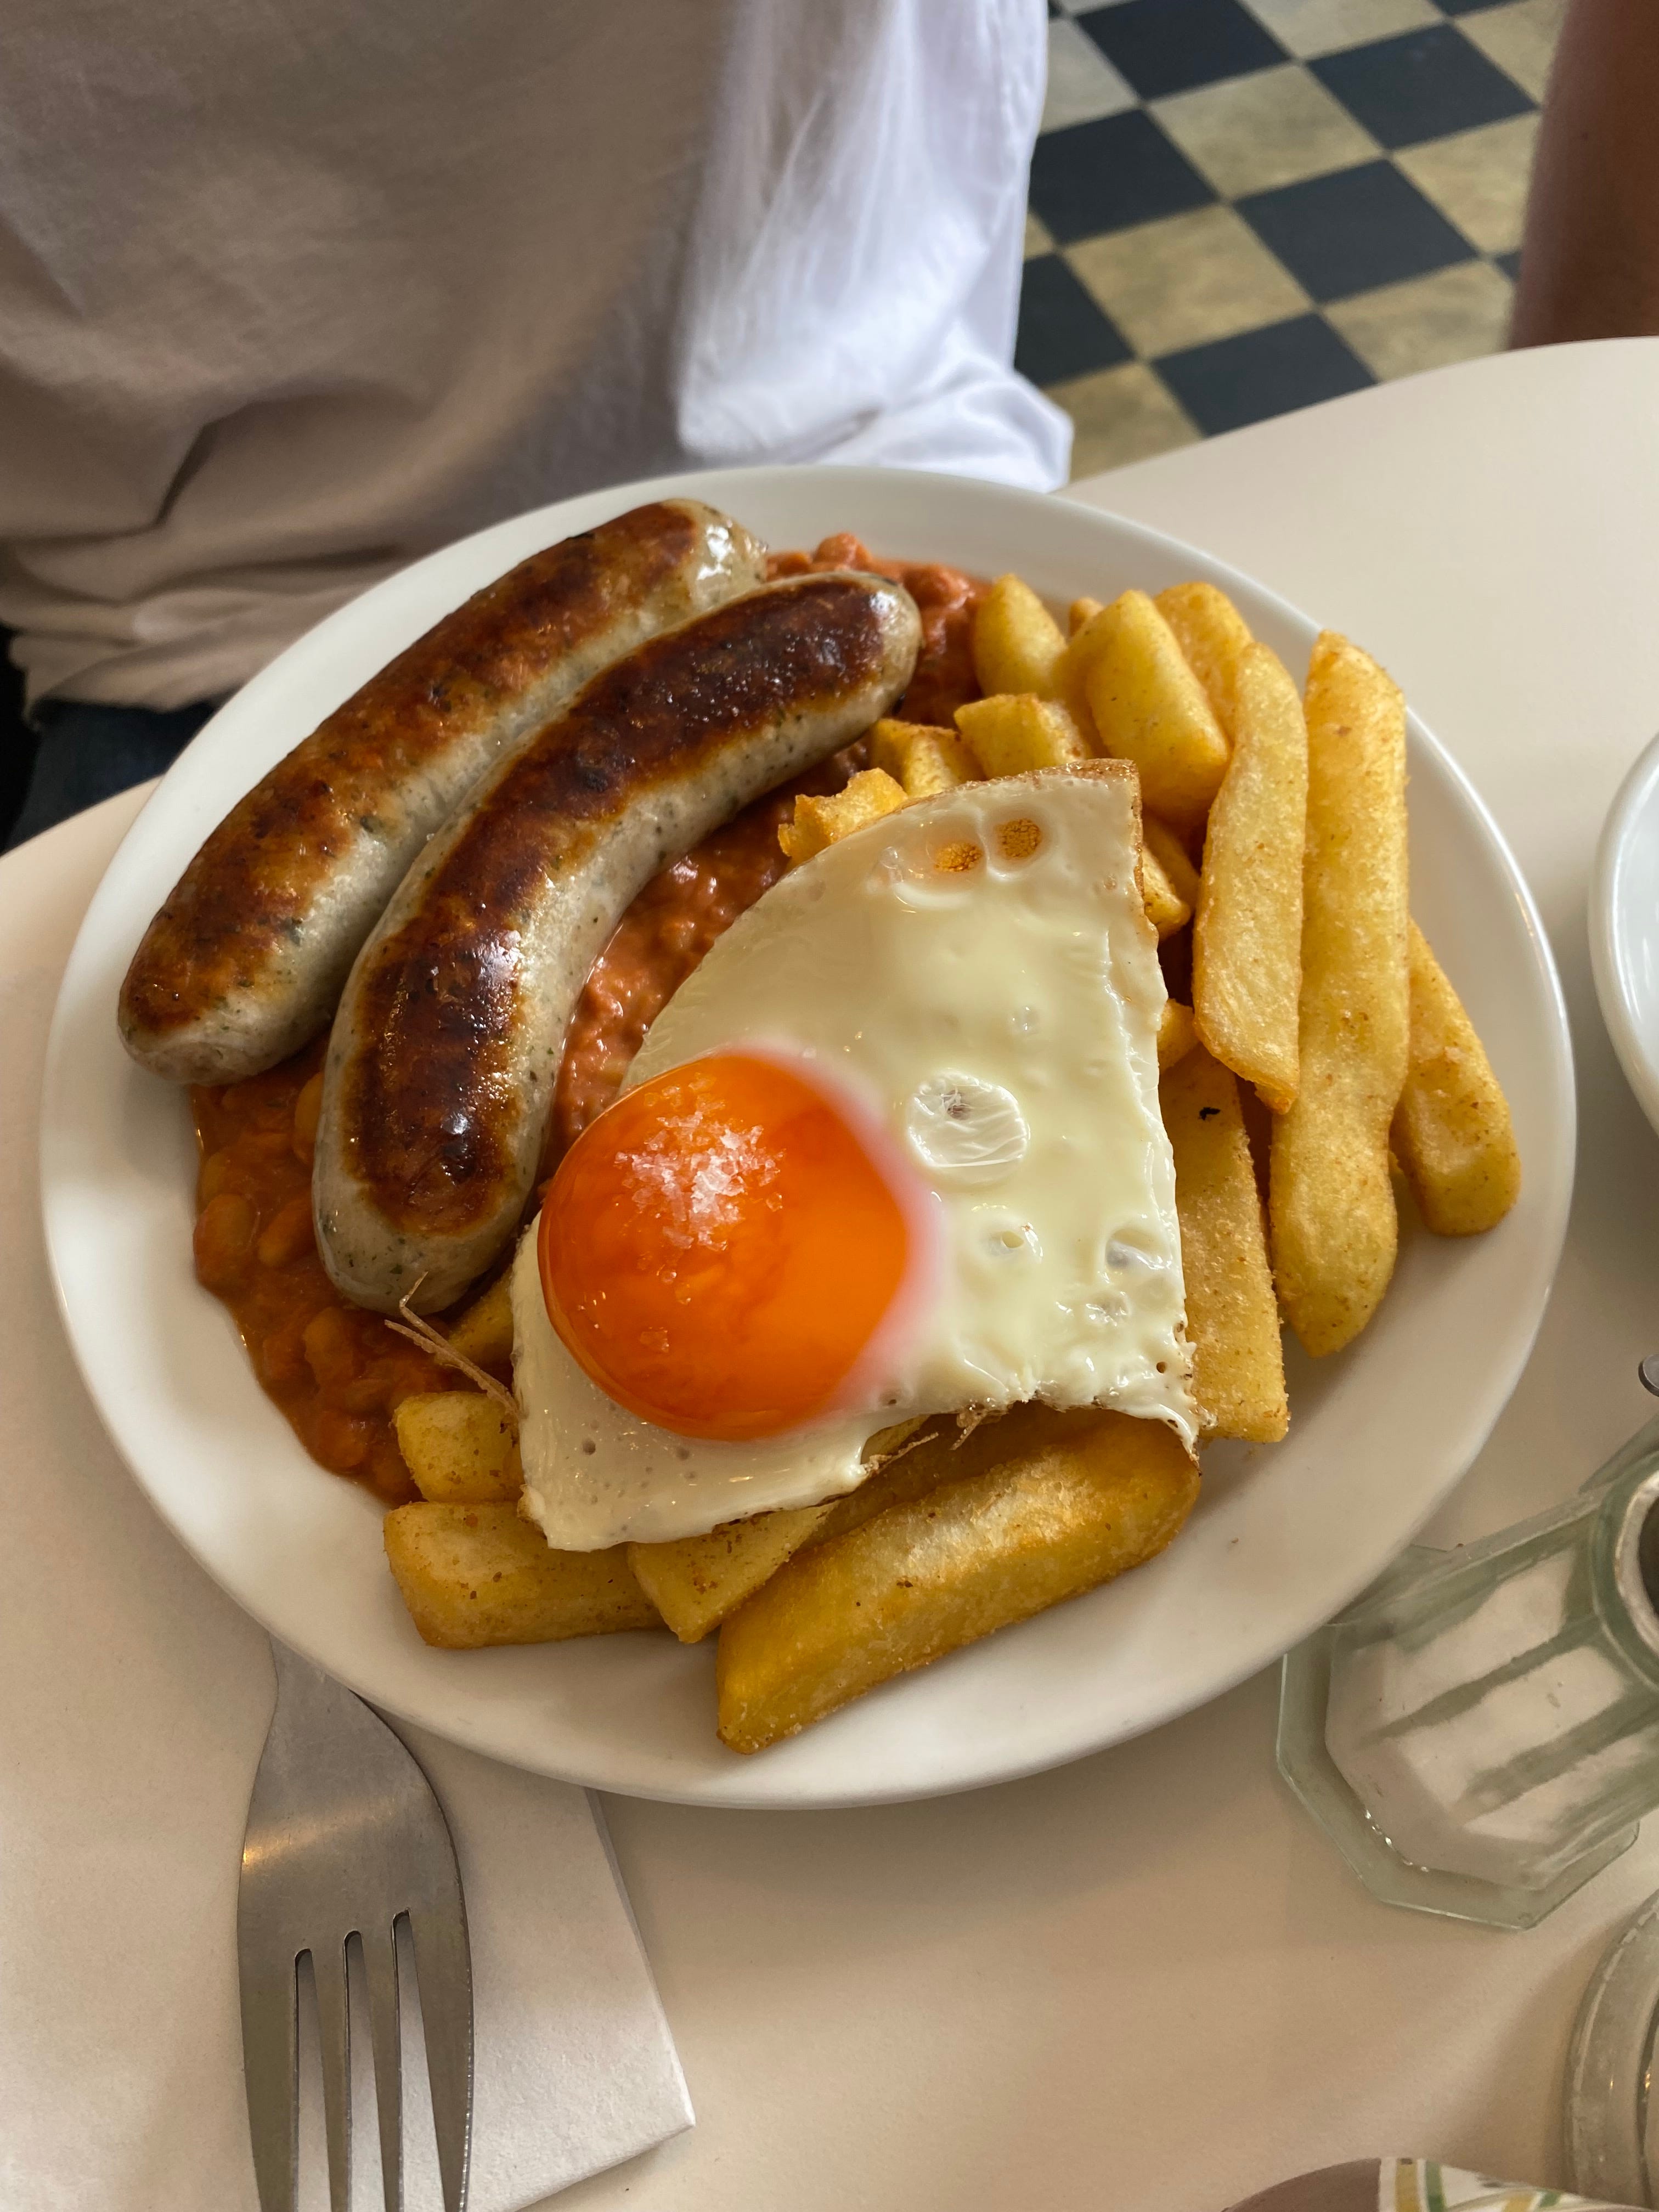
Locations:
{"points": [[292, 291]]}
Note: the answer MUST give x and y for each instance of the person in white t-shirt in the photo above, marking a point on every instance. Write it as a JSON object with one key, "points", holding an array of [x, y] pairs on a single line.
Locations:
{"points": [[292, 293]]}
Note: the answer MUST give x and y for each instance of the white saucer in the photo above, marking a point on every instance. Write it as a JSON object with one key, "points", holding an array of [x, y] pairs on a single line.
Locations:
{"points": [[1624, 928]]}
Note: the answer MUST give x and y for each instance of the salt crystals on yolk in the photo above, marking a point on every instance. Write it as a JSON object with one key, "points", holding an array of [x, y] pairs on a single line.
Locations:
{"points": [[719, 1249]]}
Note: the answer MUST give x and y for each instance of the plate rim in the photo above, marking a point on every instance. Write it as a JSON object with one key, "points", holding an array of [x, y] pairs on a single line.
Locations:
{"points": [[726, 486], [1636, 795]]}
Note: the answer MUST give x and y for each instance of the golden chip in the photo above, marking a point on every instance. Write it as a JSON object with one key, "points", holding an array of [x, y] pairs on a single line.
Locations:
{"points": [[1082, 1498], [1451, 1135], [1015, 731], [1331, 1200], [1016, 642], [1247, 938], [1213, 634], [1148, 707], [477, 1575], [822, 821], [1232, 1317], [923, 758]]}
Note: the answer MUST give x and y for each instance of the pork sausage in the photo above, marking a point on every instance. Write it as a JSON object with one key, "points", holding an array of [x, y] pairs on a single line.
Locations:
{"points": [[445, 1049], [245, 961]]}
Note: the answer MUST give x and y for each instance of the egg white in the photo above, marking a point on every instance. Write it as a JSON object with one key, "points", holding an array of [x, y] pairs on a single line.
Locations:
{"points": [[999, 1020]]}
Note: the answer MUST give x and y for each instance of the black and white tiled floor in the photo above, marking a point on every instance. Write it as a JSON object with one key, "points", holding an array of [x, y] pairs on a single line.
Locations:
{"points": [[1239, 207]]}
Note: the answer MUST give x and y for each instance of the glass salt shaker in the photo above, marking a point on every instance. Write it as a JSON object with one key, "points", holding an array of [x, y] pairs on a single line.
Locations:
{"points": [[1479, 1734]]}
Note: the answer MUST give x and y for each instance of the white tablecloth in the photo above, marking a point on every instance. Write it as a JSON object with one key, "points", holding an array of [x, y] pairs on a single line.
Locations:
{"points": [[1145, 1979], [134, 1699]]}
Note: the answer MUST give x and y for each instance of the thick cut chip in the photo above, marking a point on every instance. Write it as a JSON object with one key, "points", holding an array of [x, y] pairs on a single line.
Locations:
{"points": [[1078, 613], [1017, 641], [1246, 936], [1149, 708], [476, 1575], [1232, 1317], [459, 1446], [695, 1581], [925, 760], [1171, 856], [947, 1448], [484, 1334], [822, 822], [1016, 732], [1213, 634], [1090, 1496], [1166, 909], [1451, 1133], [698, 1581], [1072, 675], [1175, 1034], [1334, 1227]]}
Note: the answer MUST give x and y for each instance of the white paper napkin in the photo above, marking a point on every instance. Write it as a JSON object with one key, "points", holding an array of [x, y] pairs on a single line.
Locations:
{"points": [[134, 1699]]}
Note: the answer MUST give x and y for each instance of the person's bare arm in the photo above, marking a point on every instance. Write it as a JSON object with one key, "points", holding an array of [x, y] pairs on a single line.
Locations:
{"points": [[1589, 265]]}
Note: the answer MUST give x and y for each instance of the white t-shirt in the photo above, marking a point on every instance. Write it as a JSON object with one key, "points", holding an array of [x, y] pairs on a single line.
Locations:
{"points": [[292, 291]]}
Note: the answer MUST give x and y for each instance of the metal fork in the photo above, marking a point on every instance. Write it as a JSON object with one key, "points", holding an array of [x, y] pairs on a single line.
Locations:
{"points": [[344, 1837]]}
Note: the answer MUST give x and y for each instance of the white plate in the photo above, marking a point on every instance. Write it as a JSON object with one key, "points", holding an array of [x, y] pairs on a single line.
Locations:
{"points": [[1624, 924], [1282, 1536]]}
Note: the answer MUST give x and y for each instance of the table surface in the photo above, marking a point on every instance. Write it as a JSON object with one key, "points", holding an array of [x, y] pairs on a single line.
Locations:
{"points": [[1146, 1978]]}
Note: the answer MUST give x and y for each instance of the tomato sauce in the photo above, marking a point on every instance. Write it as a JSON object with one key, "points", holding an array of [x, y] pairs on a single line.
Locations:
{"points": [[338, 1373], [946, 597]]}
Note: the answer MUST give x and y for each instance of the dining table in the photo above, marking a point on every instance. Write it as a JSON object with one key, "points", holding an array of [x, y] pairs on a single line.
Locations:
{"points": [[1146, 1978]]}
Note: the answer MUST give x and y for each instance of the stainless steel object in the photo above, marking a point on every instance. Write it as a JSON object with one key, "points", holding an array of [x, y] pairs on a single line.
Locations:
{"points": [[344, 1837]]}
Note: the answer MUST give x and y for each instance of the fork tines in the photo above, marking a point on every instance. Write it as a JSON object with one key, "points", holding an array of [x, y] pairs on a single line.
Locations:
{"points": [[345, 1839]]}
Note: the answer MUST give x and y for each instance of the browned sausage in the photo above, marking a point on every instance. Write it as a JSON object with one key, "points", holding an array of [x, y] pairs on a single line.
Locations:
{"points": [[246, 959], [442, 1064]]}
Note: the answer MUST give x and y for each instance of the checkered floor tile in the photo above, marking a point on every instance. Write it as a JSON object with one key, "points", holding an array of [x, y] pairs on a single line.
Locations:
{"points": [[1239, 207]]}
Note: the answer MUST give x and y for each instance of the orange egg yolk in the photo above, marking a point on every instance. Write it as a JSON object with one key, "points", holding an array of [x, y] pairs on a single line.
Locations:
{"points": [[718, 1249]]}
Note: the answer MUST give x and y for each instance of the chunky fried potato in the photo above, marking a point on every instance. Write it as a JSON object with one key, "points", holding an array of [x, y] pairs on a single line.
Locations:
{"points": [[695, 1581], [1213, 634], [1247, 936], [1451, 1131], [698, 1581], [822, 822], [1171, 856], [484, 1334], [1099, 1495], [1070, 676], [473, 1575], [1232, 1318], [925, 760], [1331, 1202], [1149, 708], [1166, 909], [1016, 731], [1016, 642], [945, 1450], [1078, 613], [459, 1446], [1175, 1034]]}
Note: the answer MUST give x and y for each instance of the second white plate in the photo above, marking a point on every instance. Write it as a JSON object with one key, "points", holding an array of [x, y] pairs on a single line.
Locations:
{"points": [[1624, 928], [1283, 1535]]}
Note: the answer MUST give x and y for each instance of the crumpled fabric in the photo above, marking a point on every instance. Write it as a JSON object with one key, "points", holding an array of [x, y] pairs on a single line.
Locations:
{"points": [[293, 291]]}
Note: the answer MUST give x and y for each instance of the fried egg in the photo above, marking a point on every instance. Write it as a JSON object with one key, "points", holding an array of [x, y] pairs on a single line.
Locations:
{"points": [[893, 1150]]}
